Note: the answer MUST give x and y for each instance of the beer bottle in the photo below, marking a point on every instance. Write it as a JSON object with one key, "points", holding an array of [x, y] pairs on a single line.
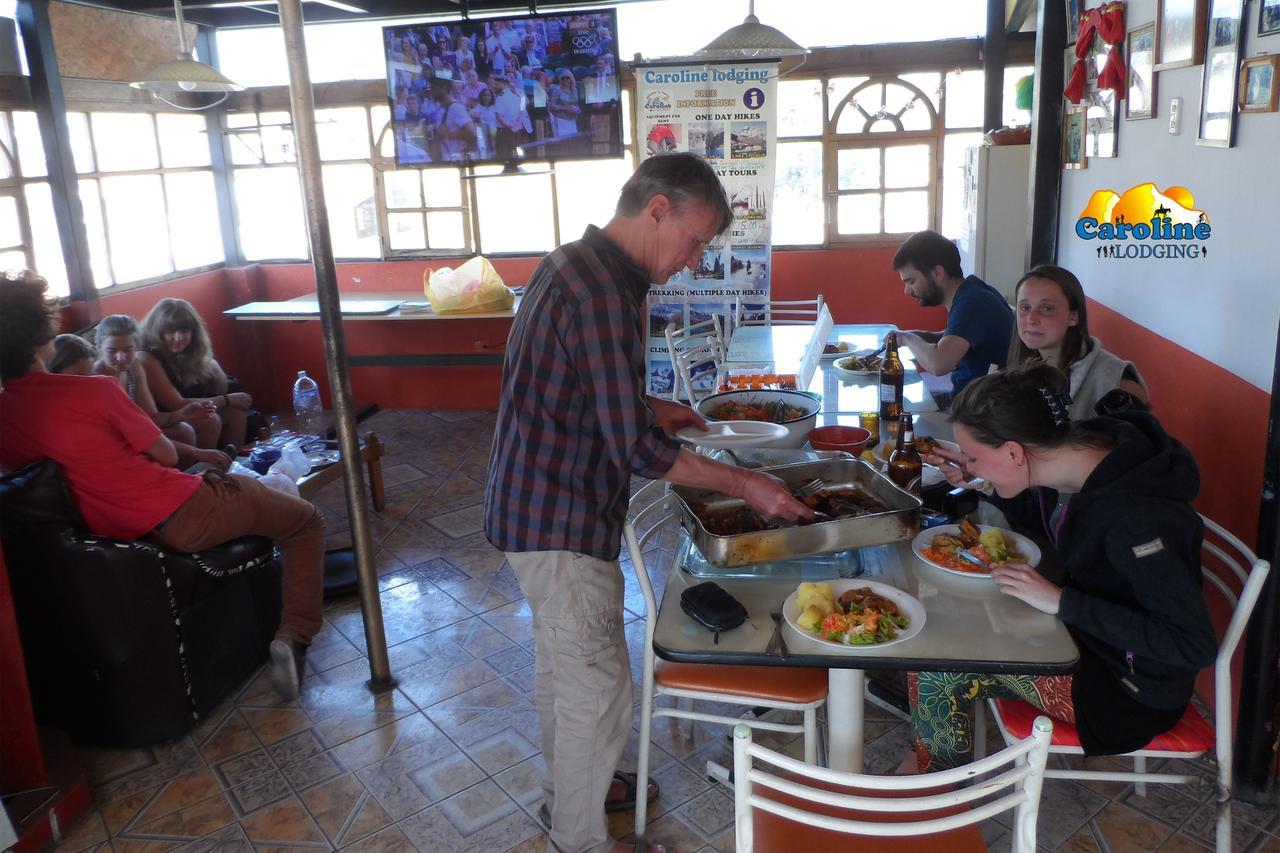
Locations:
{"points": [[891, 379], [905, 465]]}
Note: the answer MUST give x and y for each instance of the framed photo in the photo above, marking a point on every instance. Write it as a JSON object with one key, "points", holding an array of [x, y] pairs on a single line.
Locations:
{"points": [[1269, 18], [1221, 75], [1073, 20], [1101, 112], [1073, 138], [1258, 90], [1141, 99], [1180, 33]]}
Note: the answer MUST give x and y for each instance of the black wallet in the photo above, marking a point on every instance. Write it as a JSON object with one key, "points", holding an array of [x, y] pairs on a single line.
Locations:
{"points": [[710, 605]]}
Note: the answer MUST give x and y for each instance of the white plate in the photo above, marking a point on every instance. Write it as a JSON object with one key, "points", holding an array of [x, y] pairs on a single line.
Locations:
{"points": [[853, 374], [831, 356], [910, 607], [924, 539], [720, 434]]}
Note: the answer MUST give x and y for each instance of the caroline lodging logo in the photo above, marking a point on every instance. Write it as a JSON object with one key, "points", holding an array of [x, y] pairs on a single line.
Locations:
{"points": [[1145, 223]]}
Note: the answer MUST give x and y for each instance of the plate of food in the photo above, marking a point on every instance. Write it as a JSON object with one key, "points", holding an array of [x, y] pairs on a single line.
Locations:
{"points": [[859, 365], [835, 350], [722, 434], [853, 614], [971, 550]]}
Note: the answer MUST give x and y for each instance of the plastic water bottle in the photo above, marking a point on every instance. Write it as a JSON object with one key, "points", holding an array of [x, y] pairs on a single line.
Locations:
{"points": [[307, 406]]}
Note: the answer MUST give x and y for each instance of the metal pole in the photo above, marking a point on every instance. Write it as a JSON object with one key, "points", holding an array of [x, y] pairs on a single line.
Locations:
{"points": [[302, 101]]}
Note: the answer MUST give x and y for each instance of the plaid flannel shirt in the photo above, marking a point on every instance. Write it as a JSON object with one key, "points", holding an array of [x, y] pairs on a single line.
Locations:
{"points": [[573, 424]]}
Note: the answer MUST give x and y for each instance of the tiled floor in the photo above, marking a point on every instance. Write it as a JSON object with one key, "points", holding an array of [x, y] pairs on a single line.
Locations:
{"points": [[449, 761]]}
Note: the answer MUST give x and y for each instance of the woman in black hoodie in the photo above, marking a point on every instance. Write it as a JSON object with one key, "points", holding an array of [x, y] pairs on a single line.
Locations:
{"points": [[1114, 495]]}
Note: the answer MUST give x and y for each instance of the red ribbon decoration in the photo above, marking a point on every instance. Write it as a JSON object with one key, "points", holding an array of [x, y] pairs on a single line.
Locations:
{"points": [[1108, 22]]}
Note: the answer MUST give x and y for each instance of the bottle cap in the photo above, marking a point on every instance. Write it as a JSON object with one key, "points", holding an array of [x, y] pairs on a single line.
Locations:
{"points": [[301, 373]]}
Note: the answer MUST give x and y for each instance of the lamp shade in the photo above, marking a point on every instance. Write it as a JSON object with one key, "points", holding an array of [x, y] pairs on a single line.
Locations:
{"points": [[184, 74], [751, 39]]}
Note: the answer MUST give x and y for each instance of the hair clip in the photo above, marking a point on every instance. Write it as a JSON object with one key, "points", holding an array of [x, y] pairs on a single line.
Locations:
{"points": [[1058, 406]]}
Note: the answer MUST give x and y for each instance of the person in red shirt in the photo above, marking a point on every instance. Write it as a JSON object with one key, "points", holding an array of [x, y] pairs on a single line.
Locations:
{"points": [[117, 461]]}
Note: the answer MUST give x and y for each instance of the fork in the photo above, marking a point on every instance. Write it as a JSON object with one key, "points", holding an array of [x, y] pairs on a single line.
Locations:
{"points": [[776, 642], [809, 489]]}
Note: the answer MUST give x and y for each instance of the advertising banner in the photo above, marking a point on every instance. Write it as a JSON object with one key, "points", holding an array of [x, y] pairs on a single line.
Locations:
{"points": [[727, 113]]}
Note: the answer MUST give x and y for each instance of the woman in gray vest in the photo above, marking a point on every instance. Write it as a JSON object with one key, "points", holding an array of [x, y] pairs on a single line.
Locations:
{"points": [[1053, 327]]}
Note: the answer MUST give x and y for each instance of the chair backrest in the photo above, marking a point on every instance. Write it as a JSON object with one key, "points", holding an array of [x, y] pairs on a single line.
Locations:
{"points": [[1227, 563], [691, 364], [694, 335], [647, 515], [781, 313], [809, 796]]}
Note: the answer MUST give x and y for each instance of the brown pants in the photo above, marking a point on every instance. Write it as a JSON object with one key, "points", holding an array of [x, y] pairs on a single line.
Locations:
{"points": [[226, 507]]}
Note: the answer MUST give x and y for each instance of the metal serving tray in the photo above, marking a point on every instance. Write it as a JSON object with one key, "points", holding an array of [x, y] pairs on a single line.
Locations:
{"points": [[901, 521]]}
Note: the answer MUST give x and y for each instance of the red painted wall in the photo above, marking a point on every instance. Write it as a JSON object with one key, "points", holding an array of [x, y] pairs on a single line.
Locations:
{"points": [[859, 285]]}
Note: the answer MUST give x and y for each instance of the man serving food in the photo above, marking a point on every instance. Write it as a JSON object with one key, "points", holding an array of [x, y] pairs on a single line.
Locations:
{"points": [[574, 425]]}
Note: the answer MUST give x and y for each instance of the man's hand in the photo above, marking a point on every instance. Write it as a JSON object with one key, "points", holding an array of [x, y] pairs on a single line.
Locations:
{"points": [[216, 458], [1025, 583], [770, 496], [195, 410], [672, 416]]}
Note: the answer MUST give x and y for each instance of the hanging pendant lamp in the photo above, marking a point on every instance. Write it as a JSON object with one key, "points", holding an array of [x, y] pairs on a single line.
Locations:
{"points": [[184, 74], [749, 40]]}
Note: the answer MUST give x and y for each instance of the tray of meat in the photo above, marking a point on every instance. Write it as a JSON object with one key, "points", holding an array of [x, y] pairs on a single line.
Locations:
{"points": [[860, 508]]}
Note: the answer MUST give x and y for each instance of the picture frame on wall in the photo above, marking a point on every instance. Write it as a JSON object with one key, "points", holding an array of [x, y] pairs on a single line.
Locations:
{"points": [[1259, 92], [1221, 75], [1101, 115], [1073, 138], [1269, 18], [1073, 20], [1140, 101], [1180, 33]]}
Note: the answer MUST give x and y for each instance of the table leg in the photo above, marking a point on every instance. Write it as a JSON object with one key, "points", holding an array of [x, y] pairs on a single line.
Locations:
{"points": [[845, 718], [373, 449]]}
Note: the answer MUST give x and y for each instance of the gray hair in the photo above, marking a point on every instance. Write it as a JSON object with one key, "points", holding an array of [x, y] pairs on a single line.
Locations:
{"points": [[685, 179], [116, 325]]}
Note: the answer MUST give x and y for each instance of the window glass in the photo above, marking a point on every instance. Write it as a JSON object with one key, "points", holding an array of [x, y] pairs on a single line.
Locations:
{"points": [[838, 88], [8, 157], [353, 217], [245, 147], [135, 218], [798, 210], [184, 140], [10, 226], [81, 143], [343, 133], [402, 188], [906, 166], [858, 214], [442, 187], [193, 219], [277, 144], [446, 231], [1012, 114], [857, 168], [124, 141], [30, 149], [405, 232], [16, 260], [380, 119], [587, 192], [269, 211], [906, 211], [515, 211], [799, 108], [964, 98], [929, 83], [45, 244], [99, 256]]}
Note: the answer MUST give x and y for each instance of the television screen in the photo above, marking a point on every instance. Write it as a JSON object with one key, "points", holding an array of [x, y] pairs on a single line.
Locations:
{"points": [[501, 90]]}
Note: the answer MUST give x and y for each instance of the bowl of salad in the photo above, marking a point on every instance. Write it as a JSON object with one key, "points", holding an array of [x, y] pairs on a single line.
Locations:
{"points": [[796, 411]]}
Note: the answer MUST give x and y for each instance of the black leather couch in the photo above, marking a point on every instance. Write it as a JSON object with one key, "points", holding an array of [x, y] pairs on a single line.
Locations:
{"points": [[127, 643]]}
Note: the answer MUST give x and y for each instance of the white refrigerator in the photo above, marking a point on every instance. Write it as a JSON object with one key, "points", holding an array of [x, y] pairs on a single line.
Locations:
{"points": [[993, 239]]}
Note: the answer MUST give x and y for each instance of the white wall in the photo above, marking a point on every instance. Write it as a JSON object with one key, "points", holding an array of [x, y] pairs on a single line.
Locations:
{"points": [[1224, 307]]}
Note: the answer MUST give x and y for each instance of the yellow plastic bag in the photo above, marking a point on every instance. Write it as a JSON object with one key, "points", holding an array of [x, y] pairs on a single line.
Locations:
{"points": [[473, 288]]}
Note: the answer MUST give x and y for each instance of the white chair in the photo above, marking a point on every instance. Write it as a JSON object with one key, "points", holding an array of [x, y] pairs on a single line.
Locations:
{"points": [[793, 312], [691, 364], [694, 336], [799, 689], [811, 808], [1236, 565]]}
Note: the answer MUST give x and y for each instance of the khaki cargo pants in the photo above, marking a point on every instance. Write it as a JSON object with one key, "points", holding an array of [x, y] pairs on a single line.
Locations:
{"points": [[583, 691]]}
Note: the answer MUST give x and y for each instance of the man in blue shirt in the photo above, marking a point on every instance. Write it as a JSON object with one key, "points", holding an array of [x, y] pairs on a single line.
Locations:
{"points": [[979, 320]]}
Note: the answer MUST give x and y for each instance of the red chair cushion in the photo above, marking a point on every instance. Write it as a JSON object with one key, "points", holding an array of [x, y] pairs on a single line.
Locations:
{"points": [[777, 683], [1191, 734]]}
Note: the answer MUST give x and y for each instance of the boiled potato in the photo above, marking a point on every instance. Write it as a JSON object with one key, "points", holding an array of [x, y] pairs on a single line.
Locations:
{"points": [[994, 543], [811, 618], [818, 602]]}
